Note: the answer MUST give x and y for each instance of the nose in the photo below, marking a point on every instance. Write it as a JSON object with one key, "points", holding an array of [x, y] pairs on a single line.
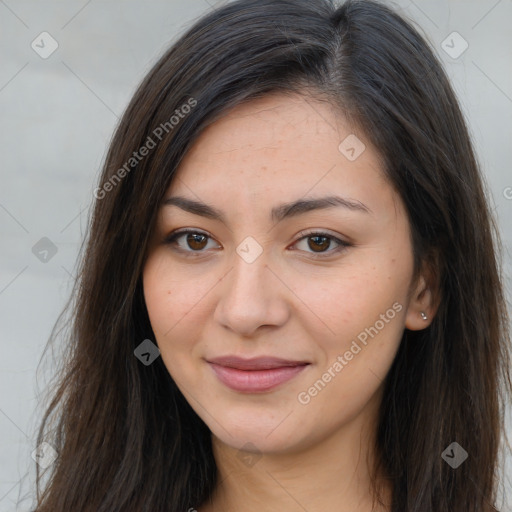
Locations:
{"points": [[251, 295]]}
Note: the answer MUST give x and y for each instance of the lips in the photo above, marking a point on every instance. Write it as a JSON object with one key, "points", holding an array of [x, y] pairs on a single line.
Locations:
{"points": [[255, 363], [257, 374]]}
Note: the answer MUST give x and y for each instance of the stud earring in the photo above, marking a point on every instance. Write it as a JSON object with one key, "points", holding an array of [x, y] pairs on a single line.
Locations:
{"points": [[423, 315]]}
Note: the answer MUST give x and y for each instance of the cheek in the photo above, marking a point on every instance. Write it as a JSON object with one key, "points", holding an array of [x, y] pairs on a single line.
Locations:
{"points": [[353, 362], [177, 312], [348, 301], [362, 312], [172, 298]]}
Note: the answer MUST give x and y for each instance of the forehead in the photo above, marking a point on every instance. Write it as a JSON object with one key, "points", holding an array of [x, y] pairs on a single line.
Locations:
{"points": [[282, 147], [277, 124]]}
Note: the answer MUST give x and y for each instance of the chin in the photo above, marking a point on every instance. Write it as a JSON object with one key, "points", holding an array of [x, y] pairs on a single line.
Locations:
{"points": [[256, 442], [261, 430]]}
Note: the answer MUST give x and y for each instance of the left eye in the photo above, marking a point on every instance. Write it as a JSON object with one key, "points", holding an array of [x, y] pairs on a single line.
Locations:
{"points": [[318, 242], [322, 241]]}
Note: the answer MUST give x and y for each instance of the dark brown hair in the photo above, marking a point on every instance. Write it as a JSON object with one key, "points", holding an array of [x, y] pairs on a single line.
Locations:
{"points": [[126, 438]]}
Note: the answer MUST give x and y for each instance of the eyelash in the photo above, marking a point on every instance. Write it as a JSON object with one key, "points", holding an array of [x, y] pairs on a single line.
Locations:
{"points": [[171, 239]]}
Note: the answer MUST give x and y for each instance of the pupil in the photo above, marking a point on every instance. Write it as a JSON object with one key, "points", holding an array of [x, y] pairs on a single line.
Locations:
{"points": [[319, 238], [193, 239]]}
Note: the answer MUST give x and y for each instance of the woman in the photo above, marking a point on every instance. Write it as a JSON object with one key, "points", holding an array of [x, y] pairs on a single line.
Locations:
{"points": [[290, 297]]}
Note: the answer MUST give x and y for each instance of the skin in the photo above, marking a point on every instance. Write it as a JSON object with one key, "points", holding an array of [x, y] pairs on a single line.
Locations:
{"points": [[286, 303]]}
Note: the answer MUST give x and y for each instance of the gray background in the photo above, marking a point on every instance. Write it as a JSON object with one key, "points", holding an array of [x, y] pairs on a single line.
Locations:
{"points": [[57, 117]]}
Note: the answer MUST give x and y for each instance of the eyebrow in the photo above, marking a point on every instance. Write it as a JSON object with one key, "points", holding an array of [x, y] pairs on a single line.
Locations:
{"points": [[278, 213]]}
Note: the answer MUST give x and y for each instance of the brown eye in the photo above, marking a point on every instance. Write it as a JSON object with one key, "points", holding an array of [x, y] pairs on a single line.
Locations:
{"points": [[189, 242], [320, 243], [196, 241]]}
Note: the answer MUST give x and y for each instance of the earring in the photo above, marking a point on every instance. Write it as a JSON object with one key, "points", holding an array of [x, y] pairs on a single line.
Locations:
{"points": [[423, 315]]}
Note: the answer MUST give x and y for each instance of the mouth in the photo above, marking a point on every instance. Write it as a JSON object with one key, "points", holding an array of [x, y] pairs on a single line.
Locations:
{"points": [[255, 375]]}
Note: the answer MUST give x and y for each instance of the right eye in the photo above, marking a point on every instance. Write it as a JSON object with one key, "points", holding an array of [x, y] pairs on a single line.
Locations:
{"points": [[194, 241]]}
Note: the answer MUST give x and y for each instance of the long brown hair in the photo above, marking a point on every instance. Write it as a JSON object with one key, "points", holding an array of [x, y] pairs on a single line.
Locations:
{"points": [[125, 436]]}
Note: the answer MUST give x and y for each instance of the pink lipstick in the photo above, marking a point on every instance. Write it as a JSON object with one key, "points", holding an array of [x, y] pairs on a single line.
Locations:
{"points": [[257, 374]]}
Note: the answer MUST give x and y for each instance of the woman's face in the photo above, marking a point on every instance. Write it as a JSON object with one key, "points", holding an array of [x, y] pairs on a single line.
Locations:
{"points": [[324, 288]]}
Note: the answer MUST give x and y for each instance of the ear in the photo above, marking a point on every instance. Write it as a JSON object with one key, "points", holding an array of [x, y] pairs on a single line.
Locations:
{"points": [[423, 298]]}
